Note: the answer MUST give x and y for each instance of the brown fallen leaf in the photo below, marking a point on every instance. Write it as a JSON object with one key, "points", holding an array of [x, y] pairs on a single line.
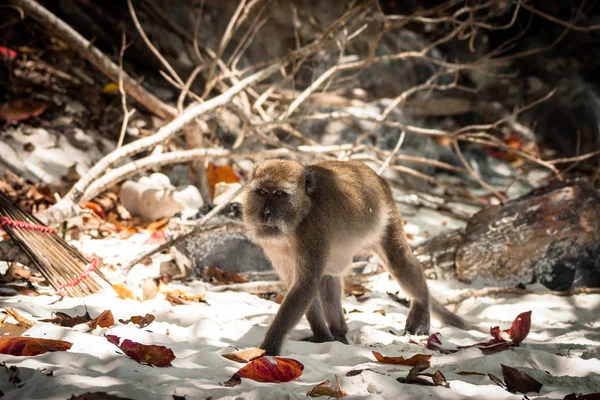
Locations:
{"points": [[104, 320], [20, 319], [63, 319], [413, 374], [469, 373], [519, 381], [16, 272], [325, 389], [412, 361], [440, 380], [13, 290], [157, 356], [21, 109], [141, 321], [244, 356], [8, 329], [218, 276], [28, 346], [268, 369]]}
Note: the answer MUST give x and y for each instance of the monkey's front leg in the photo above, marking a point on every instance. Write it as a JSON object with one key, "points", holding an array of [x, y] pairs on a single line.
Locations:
{"points": [[294, 306]]}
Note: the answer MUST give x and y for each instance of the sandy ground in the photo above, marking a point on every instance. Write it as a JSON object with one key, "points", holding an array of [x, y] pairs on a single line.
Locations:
{"points": [[562, 350]]}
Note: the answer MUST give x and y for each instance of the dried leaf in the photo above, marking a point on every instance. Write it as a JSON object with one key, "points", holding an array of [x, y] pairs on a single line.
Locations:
{"points": [[268, 369], [157, 356], [161, 224], [15, 273], [497, 380], [142, 322], [416, 370], [469, 373], [439, 379], [244, 356], [123, 291], [216, 275], [64, 319], [20, 319], [412, 361], [21, 109], [90, 205], [111, 88], [520, 327], [28, 346], [104, 320], [519, 381], [8, 329], [325, 389], [216, 174], [355, 290], [516, 334]]}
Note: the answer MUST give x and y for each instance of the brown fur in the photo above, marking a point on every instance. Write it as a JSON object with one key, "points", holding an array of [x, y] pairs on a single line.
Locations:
{"points": [[311, 221]]}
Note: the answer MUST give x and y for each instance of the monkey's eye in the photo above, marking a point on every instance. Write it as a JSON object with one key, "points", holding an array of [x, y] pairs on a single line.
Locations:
{"points": [[279, 193], [261, 192]]}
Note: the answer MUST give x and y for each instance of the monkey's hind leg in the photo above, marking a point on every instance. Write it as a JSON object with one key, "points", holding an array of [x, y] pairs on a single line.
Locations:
{"points": [[318, 324], [331, 292], [405, 268]]}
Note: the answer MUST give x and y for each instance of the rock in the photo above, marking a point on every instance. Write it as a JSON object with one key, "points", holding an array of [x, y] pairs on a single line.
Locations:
{"points": [[153, 197], [229, 251], [549, 236]]}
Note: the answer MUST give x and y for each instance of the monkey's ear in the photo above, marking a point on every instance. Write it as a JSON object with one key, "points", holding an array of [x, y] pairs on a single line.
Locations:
{"points": [[310, 184]]}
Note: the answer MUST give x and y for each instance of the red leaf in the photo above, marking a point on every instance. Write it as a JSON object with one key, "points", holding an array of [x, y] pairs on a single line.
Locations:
{"points": [[28, 346], [90, 205], [412, 361], [157, 356], [520, 327], [8, 53], [18, 110], [268, 369]]}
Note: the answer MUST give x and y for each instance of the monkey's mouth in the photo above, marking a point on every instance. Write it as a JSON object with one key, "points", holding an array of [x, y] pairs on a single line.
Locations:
{"points": [[268, 230]]}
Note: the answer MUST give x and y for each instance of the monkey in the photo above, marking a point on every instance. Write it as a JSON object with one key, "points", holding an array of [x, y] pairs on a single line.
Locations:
{"points": [[310, 222]]}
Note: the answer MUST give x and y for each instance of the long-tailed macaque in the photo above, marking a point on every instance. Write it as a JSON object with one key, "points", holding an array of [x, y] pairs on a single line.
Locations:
{"points": [[310, 222]]}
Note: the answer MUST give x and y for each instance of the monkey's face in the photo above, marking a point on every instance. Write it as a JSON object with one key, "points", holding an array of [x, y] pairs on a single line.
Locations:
{"points": [[275, 201]]}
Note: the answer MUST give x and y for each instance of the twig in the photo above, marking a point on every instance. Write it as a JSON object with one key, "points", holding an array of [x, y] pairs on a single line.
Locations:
{"points": [[126, 113], [153, 49]]}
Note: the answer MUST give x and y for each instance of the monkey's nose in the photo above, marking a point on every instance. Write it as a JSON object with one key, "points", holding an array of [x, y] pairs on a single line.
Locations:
{"points": [[266, 215]]}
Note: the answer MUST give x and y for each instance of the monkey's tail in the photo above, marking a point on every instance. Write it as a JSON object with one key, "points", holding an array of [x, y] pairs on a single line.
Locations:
{"points": [[447, 317]]}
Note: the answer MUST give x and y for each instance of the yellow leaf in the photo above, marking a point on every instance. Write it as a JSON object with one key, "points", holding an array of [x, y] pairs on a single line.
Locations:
{"points": [[111, 88], [123, 291]]}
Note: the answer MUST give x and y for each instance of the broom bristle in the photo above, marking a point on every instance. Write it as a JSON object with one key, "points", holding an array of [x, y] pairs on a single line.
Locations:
{"points": [[59, 262]]}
